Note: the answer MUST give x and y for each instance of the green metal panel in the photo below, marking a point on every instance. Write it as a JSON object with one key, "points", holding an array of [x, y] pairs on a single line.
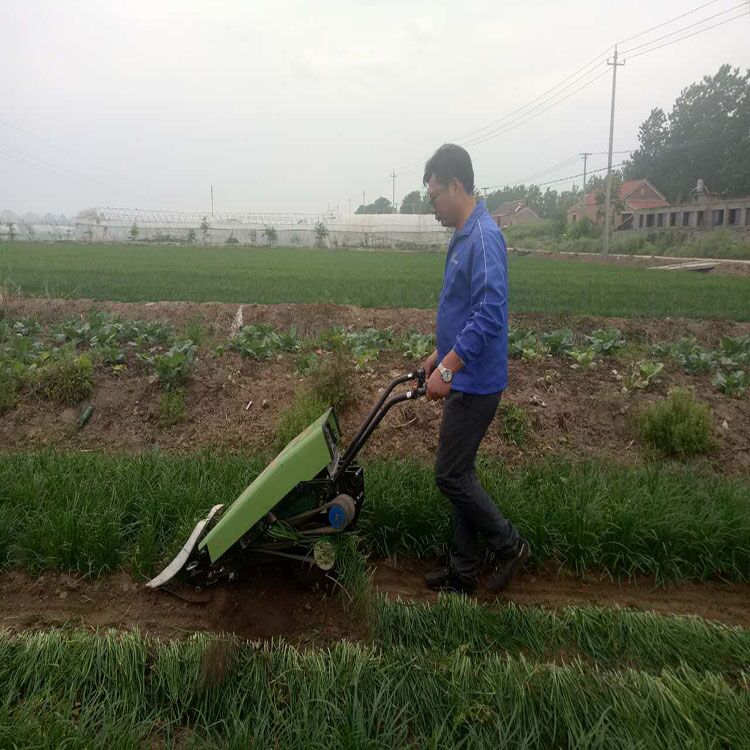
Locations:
{"points": [[303, 459]]}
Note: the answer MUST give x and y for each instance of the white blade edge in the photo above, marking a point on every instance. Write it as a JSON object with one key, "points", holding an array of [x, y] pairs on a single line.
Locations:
{"points": [[178, 563]]}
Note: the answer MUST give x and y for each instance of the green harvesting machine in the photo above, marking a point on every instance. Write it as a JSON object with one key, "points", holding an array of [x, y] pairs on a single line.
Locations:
{"points": [[307, 494]]}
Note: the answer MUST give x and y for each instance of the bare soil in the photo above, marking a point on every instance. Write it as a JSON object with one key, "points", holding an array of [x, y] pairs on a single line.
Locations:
{"points": [[280, 602], [235, 403], [274, 602]]}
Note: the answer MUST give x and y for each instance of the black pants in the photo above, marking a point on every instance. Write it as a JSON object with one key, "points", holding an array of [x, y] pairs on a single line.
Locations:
{"points": [[466, 417]]}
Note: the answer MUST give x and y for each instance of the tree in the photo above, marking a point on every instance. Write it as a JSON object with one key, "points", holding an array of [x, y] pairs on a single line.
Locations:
{"points": [[231, 240], [380, 206], [706, 135], [416, 202], [89, 234], [270, 234], [321, 232], [205, 226], [598, 186], [11, 231], [191, 235], [547, 205], [134, 232]]}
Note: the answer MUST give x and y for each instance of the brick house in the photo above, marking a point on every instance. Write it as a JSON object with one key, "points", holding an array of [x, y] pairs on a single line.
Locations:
{"points": [[515, 212], [635, 194]]}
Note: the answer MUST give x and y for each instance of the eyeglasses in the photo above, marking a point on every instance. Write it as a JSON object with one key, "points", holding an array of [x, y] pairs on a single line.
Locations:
{"points": [[433, 198]]}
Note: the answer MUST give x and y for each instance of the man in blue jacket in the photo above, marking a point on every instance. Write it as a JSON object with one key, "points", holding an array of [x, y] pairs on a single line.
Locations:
{"points": [[469, 369]]}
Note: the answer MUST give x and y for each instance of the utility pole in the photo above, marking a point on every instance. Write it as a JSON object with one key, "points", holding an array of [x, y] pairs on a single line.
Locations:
{"points": [[363, 200], [585, 155], [393, 196], [350, 205], [212, 201], [608, 199]]}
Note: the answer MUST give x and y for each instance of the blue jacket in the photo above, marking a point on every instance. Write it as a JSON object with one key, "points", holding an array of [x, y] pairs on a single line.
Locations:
{"points": [[472, 313]]}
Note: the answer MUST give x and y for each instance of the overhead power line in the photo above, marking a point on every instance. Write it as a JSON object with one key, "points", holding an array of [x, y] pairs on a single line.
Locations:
{"points": [[49, 144], [599, 58], [685, 28], [688, 36], [35, 161], [552, 182], [476, 136], [666, 23], [513, 125]]}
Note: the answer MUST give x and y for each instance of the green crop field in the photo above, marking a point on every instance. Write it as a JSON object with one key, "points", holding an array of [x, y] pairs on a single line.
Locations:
{"points": [[370, 279], [125, 691], [82, 528], [453, 673], [93, 513]]}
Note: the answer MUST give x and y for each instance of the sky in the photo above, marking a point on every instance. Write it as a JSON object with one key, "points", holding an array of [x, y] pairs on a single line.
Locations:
{"points": [[291, 106]]}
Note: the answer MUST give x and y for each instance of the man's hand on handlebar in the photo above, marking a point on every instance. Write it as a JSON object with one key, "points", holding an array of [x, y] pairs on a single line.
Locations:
{"points": [[430, 364]]}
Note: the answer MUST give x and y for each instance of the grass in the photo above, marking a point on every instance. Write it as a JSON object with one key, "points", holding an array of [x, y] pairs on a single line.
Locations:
{"points": [[513, 423], [370, 279], [717, 243], [91, 513], [667, 522], [87, 690], [610, 636]]}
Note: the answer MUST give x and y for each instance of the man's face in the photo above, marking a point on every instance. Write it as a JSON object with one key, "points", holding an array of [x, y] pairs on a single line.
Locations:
{"points": [[443, 200]]}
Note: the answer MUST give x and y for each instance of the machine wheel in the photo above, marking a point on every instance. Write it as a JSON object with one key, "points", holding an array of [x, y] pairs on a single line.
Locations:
{"points": [[341, 512]]}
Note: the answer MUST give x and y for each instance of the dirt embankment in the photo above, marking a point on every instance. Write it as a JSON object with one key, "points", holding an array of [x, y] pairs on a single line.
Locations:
{"points": [[575, 413]]}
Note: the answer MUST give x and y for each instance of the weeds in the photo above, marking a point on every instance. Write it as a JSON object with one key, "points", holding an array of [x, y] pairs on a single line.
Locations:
{"points": [[305, 409], [172, 407], [331, 379], [67, 380], [513, 423], [8, 387], [677, 426], [195, 330]]}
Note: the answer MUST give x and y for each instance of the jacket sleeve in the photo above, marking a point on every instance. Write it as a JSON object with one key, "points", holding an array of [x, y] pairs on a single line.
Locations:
{"points": [[489, 290]]}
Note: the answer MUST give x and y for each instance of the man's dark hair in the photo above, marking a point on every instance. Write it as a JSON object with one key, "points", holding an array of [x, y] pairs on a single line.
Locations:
{"points": [[450, 161]]}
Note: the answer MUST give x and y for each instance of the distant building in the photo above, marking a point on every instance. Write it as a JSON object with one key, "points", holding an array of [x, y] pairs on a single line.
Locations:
{"points": [[706, 211], [635, 195], [510, 213]]}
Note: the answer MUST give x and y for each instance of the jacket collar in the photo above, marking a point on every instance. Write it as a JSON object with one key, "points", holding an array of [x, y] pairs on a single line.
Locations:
{"points": [[471, 221]]}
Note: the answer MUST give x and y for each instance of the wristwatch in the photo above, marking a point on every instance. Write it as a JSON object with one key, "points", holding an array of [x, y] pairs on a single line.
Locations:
{"points": [[445, 373]]}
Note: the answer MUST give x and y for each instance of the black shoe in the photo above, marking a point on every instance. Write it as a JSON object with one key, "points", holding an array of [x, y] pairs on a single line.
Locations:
{"points": [[445, 579], [506, 567]]}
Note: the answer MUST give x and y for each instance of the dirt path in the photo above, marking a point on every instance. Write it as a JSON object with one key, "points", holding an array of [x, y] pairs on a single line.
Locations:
{"points": [[279, 602], [723, 602]]}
